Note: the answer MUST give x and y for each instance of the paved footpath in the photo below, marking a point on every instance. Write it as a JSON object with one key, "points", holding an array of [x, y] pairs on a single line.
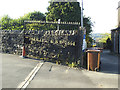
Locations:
{"points": [[16, 72], [108, 75]]}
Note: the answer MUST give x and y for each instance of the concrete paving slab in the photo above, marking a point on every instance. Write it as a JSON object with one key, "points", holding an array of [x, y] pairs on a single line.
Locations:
{"points": [[15, 69]]}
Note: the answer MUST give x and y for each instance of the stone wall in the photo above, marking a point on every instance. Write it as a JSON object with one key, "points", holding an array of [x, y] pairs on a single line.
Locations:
{"points": [[53, 45], [12, 41], [63, 46]]}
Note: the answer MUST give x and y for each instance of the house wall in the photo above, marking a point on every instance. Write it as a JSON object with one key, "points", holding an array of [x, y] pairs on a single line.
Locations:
{"points": [[116, 43], [119, 14], [112, 40], [119, 42], [119, 26], [115, 37]]}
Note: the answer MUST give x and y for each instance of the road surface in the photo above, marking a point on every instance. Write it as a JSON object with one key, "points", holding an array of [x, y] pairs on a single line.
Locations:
{"points": [[16, 72]]}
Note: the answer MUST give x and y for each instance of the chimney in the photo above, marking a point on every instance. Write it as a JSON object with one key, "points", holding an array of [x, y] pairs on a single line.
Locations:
{"points": [[119, 14]]}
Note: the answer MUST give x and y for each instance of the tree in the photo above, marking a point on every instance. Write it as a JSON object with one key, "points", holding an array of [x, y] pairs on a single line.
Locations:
{"points": [[104, 37], [5, 22], [36, 15], [18, 24], [65, 11], [108, 44], [88, 26], [69, 12]]}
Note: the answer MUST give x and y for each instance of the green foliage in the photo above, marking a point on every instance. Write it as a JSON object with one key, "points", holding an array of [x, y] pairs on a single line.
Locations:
{"points": [[8, 23], [89, 40], [68, 12], [65, 11], [88, 26], [73, 64], [36, 15], [104, 37], [5, 22]]}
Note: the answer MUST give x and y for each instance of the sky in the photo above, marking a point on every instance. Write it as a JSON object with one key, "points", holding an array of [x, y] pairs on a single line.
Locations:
{"points": [[103, 13]]}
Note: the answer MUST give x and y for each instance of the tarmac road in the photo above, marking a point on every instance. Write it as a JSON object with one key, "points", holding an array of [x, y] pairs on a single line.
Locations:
{"points": [[15, 70], [60, 77]]}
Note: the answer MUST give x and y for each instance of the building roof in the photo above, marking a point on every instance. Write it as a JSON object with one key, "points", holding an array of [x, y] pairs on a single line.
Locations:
{"points": [[116, 29], [119, 4]]}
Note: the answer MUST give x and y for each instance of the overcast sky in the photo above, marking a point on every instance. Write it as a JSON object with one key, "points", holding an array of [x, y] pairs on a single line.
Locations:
{"points": [[103, 12]]}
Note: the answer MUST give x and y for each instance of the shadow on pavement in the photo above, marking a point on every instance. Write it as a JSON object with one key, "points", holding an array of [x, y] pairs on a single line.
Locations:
{"points": [[109, 62]]}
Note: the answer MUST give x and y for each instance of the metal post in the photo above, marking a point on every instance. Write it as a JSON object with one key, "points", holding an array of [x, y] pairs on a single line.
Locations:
{"points": [[58, 27], [82, 13], [58, 24], [84, 39]]}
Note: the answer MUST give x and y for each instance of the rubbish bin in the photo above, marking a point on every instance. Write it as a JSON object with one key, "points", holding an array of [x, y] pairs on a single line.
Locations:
{"points": [[93, 60]]}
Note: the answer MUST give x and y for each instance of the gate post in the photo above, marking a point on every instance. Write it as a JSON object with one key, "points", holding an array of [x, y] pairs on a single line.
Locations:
{"points": [[23, 51], [79, 46]]}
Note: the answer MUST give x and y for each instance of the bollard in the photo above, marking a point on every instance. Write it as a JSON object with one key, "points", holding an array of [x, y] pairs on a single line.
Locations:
{"points": [[23, 52]]}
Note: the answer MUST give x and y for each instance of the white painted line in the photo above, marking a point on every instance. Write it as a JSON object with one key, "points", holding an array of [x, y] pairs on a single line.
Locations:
{"points": [[29, 78]]}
